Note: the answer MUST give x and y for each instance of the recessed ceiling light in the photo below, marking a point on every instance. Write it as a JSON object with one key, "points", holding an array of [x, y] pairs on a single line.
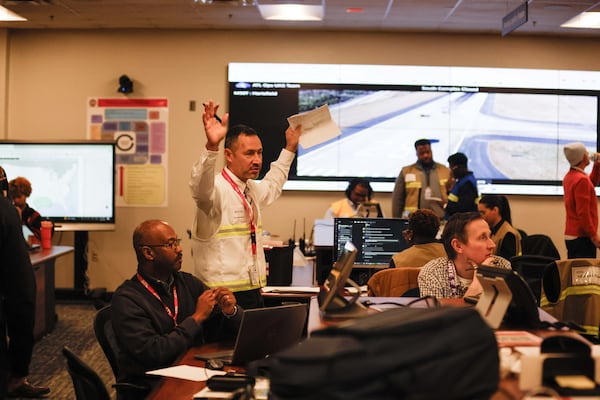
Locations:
{"points": [[7, 15], [291, 12], [584, 20]]}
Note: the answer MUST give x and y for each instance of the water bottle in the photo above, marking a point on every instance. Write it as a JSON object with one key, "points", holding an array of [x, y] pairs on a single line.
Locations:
{"points": [[593, 157], [46, 234]]}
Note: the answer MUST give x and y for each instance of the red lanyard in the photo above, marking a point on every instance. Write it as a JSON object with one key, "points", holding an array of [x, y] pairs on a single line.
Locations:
{"points": [[167, 309], [248, 208]]}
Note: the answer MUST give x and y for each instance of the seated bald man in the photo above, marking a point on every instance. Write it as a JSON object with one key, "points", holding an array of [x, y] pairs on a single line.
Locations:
{"points": [[161, 311]]}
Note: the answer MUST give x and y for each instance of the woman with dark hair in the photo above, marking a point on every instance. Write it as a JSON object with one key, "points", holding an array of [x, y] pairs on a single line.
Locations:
{"points": [[496, 212], [358, 192]]}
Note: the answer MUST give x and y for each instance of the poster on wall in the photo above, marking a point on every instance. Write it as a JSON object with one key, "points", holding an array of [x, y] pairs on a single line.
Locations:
{"points": [[139, 128]]}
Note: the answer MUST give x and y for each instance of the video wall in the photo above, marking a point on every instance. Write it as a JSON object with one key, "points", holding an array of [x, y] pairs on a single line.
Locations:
{"points": [[511, 123]]}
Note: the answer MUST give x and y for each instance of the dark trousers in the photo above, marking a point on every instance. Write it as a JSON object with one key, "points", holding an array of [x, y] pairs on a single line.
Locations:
{"points": [[248, 299], [581, 247], [4, 365]]}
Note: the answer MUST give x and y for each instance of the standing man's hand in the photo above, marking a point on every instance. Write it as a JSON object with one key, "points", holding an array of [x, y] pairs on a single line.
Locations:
{"points": [[215, 130], [292, 138]]}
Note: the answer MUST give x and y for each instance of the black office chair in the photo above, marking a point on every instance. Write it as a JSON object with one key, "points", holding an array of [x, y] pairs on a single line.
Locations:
{"points": [[412, 292], [103, 329], [539, 271], [86, 382], [540, 245], [523, 235], [105, 335]]}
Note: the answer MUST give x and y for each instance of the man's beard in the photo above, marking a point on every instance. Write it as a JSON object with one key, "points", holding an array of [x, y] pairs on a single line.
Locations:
{"points": [[427, 163]]}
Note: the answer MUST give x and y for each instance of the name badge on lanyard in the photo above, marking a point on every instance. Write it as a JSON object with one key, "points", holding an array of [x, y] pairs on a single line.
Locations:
{"points": [[253, 269]]}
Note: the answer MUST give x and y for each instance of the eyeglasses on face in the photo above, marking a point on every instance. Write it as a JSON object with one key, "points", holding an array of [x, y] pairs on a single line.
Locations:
{"points": [[173, 244]]}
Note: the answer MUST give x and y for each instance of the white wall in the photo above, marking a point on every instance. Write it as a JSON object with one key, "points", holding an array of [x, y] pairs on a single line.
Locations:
{"points": [[50, 74]]}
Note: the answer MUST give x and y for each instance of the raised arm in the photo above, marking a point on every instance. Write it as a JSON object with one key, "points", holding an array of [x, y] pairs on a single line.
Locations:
{"points": [[292, 137], [214, 128]]}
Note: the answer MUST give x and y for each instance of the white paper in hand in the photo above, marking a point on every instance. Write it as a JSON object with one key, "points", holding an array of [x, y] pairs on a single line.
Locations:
{"points": [[317, 126]]}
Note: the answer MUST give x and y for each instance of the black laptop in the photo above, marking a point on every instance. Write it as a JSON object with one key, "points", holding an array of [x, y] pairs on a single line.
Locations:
{"points": [[264, 331]]}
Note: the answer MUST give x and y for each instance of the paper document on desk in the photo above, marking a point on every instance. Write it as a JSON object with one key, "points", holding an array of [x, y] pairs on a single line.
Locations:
{"points": [[317, 126], [290, 289], [186, 372]]}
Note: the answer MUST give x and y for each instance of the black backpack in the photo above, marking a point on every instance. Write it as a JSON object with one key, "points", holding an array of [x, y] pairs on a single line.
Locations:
{"points": [[404, 353]]}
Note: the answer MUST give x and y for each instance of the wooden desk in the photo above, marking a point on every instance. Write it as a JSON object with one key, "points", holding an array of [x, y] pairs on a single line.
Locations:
{"points": [[43, 261], [178, 389]]}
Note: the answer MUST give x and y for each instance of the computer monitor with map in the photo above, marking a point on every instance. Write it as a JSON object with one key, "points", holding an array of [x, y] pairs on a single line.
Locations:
{"points": [[73, 181]]}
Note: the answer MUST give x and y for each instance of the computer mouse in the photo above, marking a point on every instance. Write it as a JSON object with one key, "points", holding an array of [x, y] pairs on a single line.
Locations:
{"points": [[214, 363]]}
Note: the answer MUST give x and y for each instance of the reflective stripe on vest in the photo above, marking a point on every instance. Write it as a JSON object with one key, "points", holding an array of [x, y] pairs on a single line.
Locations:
{"points": [[235, 230], [237, 286]]}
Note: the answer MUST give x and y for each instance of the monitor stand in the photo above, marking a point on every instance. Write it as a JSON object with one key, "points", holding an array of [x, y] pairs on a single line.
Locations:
{"points": [[342, 308]]}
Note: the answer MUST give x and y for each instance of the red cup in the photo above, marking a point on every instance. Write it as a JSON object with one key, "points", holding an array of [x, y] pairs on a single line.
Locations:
{"points": [[46, 234]]}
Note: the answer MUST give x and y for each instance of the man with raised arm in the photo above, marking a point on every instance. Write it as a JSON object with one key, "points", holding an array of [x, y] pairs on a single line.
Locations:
{"points": [[226, 233]]}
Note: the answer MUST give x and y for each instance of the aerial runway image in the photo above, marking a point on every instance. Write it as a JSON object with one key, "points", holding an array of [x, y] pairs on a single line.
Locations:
{"points": [[516, 136]]}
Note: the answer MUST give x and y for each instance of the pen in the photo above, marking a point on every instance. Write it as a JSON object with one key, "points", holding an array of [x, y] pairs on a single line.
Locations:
{"points": [[215, 115]]}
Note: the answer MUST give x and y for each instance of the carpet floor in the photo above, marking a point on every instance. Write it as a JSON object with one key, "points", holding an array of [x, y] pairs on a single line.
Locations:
{"points": [[74, 329]]}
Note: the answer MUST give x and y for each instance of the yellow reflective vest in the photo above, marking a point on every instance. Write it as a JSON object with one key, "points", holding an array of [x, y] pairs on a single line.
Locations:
{"points": [[221, 245]]}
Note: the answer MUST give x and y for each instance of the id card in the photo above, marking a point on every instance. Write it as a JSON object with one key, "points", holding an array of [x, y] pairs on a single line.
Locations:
{"points": [[253, 273], [427, 192]]}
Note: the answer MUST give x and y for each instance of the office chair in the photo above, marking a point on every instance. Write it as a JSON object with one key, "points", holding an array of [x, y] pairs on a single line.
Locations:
{"points": [[86, 382], [412, 292], [103, 329], [579, 299], [538, 271], [393, 282], [540, 245], [105, 335]]}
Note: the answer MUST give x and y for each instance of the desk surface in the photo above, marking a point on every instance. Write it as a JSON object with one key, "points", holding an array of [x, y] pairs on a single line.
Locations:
{"points": [[178, 389], [41, 255]]}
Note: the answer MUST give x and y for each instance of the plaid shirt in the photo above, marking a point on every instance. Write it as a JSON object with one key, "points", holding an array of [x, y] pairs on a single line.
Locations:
{"points": [[434, 280]]}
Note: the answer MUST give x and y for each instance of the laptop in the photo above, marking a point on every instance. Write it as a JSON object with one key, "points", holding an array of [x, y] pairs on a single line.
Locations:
{"points": [[27, 233], [262, 332]]}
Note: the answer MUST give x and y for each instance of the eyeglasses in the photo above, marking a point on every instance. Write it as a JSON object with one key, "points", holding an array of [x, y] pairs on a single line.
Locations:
{"points": [[172, 244]]}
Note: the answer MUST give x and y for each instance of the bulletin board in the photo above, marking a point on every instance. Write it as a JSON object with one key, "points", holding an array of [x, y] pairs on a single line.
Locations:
{"points": [[139, 128]]}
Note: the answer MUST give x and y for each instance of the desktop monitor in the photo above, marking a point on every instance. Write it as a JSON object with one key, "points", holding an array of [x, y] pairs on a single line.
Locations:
{"points": [[73, 181], [507, 298], [376, 239], [332, 302]]}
